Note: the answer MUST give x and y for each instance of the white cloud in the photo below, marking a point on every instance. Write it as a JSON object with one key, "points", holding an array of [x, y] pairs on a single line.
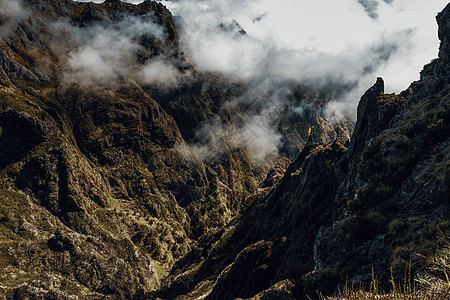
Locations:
{"points": [[106, 52], [297, 42], [310, 34], [11, 9], [214, 139], [161, 72], [308, 40]]}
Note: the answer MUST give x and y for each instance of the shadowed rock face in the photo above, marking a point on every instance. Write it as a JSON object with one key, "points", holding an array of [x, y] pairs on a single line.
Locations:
{"points": [[442, 68], [19, 134], [94, 197], [366, 125], [381, 204]]}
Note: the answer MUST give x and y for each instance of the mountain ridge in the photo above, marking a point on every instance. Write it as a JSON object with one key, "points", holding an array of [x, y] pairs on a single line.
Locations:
{"points": [[97, 201]]}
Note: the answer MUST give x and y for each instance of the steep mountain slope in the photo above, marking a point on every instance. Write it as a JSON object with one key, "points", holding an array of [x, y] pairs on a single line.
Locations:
{"points": [[100, 191], [342, 214], [97, 164]]}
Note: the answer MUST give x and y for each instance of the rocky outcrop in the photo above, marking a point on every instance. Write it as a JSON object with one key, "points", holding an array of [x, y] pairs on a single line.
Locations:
{"points": [[19, 134], [252, 268], [367, 124], [273, 176], [60, 242], [14, 70], [443, 65], [290, 216]]}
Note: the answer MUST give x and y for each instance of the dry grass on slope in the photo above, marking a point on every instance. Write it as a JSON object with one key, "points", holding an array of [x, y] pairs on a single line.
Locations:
{"points": [[431, 285]]}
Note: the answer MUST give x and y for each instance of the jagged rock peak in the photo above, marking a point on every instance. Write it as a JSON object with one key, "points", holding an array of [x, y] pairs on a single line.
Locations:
{"points": [[366, 125], [234, 26], [443, 20], [157, 7], [151, 3], [367, 98], [117, 5]]}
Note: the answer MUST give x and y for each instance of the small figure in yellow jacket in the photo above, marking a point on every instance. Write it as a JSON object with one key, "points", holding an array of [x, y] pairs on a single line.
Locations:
{"points": [[311, 132]]}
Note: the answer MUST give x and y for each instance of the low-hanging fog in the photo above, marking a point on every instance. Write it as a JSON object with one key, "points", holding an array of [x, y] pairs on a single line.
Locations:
{"points": [[272, 46], [10, 10], [315, 40]]}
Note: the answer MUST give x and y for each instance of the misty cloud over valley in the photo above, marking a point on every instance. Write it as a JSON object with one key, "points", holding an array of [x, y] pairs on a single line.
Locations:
{"points": [[105, 54], [10, 10], [310, 69]]}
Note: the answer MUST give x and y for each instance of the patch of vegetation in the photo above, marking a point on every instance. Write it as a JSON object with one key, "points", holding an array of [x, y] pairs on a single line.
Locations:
{"points": [[391, 157], [434, 284], [393, 100], [323, 281], [160, 270], [361, 228]]}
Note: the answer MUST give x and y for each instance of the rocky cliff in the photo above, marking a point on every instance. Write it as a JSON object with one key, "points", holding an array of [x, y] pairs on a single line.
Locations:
{"points": [[342, 215], [96, 200], [101, 192], [112, 187]]}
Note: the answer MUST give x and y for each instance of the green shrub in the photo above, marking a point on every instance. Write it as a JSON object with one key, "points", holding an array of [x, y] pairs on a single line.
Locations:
{"points": [[390, 100], [361, 228], [431, 285], [325, 282], [398, 227]]}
